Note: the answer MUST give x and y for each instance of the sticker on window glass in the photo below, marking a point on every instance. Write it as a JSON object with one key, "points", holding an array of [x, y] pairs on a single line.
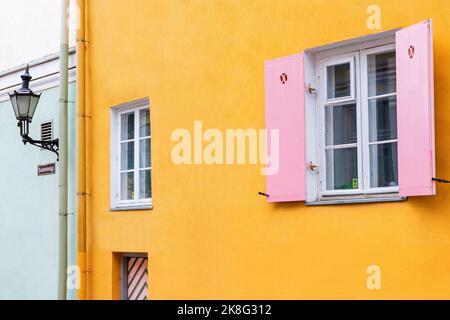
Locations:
{"points": [[355, 184]]}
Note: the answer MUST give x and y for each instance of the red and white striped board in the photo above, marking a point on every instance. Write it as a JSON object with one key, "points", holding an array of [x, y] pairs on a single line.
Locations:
{"points": [[137, 278]]}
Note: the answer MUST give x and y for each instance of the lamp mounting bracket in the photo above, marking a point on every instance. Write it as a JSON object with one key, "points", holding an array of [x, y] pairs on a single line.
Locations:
{"points": [[52, 145]]}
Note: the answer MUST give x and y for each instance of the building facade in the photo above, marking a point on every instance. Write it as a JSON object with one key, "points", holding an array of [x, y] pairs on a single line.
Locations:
{"points": [[29, 202], [197, 229]]}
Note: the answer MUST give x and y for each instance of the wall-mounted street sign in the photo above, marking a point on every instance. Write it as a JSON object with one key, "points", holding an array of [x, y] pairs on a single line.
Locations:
{"points": [[46, 169]]}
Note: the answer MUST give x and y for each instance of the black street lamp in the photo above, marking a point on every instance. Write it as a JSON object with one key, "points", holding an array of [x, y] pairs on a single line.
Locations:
{"points": [[24, 103]]}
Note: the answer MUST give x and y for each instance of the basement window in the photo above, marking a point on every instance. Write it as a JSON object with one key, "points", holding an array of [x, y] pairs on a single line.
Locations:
{"points": [[134, 277]]}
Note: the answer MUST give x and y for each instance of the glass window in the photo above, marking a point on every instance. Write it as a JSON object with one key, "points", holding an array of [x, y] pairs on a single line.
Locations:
{"points": [[382, 119], [342, 169], [341, 129], [127, 126], [127, 186], [145, 187], [382, 74], [339, 81], [383, 165], [382, 105], [127, 156], [360, 123], [135, 156], [144, 123], [340, 124], [144, 153], [341, 163]]}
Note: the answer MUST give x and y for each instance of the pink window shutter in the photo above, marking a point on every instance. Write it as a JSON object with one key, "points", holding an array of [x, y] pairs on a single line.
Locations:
{"points": [[285, 112], [415, 110]]}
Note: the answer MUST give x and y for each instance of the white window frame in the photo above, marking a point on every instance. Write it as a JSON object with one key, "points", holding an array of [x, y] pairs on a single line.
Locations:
{"points": [[365, 118], [116, 112], [316, 61], [323, 101], [336, 61]]}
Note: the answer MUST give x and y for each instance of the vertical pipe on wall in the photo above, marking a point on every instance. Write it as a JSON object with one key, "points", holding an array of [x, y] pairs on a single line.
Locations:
{"points": [[88, 134], [81, 148], [63, 119]]}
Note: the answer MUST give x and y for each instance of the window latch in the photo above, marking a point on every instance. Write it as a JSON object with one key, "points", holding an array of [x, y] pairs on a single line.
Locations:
{"points": [[311, 90]]}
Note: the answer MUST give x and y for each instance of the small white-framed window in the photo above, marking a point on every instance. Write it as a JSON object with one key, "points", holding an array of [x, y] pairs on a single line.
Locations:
{"points": [[379, 106], [131, 167], [339, 75], [356, 123], [340, 142]]}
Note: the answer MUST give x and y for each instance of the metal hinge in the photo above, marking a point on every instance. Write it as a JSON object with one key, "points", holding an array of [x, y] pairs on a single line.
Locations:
{"points": [[313, 167], [82, 115], [83, 194], [311, 89]]}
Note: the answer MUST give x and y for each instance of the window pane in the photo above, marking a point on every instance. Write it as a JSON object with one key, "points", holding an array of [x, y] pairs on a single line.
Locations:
{"points": [[383, 165], [342, 169], [382, 74], [145, 185], [127, 156], [127, 186], [338, 81], [127, 126], [340, 126], [144, 153], [383, 119], [144, 123]]}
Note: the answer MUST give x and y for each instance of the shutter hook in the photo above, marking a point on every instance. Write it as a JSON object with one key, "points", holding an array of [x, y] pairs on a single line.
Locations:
{"points": [[313, 167], [440, 180], [311, 90]]}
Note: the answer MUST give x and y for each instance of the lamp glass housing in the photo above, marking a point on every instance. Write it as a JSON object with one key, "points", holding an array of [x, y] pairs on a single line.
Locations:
{"points": [[24, 101], [24, 105]]}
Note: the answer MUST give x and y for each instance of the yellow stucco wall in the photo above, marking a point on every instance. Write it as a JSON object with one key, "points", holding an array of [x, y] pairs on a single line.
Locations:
{"points": [[210, 235]]}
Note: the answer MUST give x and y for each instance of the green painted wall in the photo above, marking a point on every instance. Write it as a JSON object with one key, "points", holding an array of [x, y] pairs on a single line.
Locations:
{"points": [[29, 204]]}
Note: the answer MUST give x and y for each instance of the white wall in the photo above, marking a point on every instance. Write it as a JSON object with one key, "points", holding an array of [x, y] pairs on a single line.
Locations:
{"points": [[30, 29]]}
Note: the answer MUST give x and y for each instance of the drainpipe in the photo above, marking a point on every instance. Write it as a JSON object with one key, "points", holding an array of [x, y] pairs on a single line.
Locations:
{"points": [[81, 148], [62, 189]]}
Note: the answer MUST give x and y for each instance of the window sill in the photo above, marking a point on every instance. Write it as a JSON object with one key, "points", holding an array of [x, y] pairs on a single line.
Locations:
{"points": [[132, 208], [367, 199]]}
